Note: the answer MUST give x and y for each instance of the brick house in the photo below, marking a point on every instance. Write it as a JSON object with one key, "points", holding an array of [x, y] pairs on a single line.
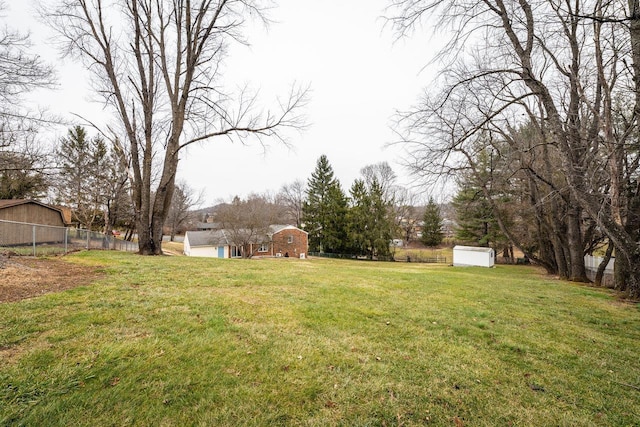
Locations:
{"points": [[286, 240], [280, 241]]}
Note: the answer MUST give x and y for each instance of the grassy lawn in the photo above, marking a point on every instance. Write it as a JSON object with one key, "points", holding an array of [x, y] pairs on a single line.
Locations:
{"points": [[177, 341]]}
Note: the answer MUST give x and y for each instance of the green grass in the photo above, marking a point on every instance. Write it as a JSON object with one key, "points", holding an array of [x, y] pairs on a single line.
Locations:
{"points": [[175, 341]]}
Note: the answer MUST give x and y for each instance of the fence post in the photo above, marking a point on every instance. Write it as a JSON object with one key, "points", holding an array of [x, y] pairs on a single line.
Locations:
{"points": [[66, 240], [88, 240], [33, 233]]}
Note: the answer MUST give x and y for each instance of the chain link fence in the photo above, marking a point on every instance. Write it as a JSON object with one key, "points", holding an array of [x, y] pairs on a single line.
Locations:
{"points": [[34, 239], [400, 258]]}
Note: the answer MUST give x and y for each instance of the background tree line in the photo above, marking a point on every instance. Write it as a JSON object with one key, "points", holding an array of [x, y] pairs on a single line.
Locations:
{"points": [[157, 65], [535, 116], [365, 221]]}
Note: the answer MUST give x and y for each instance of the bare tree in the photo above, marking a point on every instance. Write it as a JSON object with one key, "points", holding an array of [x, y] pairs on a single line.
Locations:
{"points": [[406, 215], [385, 176], [184, 200], [401, 213], [24, 166], [292, 197], [21, 72], [246, 222], [552, 65], [158, 64]]}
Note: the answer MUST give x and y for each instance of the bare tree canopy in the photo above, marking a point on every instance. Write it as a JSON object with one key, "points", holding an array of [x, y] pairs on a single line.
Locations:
{"points": [[184, 200], [23, 163], [569, 71], [247, 222], [158, 63], [292, 196], [21, 72]]}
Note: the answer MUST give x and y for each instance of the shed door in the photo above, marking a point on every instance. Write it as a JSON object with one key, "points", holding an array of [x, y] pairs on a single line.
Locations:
{"points": [[220, 251]]}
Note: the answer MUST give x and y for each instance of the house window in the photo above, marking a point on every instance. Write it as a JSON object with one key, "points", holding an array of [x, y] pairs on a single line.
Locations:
{"points": [[264, 247], [290, 239]]}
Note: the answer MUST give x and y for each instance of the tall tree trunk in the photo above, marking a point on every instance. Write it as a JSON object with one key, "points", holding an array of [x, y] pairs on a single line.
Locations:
{"points": [[578, 272], [568, 141]]}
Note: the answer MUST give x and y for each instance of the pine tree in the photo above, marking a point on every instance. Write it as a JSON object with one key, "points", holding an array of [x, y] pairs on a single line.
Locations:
{"points": [[83, 176], [476, 222], [358, 217], [335, 233], [432, 229], [324, 211], [380, 234], [369, 222]]}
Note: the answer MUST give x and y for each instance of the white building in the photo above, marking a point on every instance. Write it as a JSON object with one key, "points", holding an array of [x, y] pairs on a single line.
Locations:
{"points": [[467, 256], [212, 244]]}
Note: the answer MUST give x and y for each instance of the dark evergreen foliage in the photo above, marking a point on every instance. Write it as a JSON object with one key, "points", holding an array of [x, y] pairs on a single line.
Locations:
{"points": [[432, 234], [477, 224], [324, 211]]}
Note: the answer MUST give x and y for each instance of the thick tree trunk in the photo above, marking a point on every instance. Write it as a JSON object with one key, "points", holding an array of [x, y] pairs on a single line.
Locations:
{"points": [[150, 242], [567, 142], [578, 272]]}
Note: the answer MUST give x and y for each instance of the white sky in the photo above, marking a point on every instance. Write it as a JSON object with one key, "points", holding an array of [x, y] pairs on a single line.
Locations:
{"points": [[358, 75]]}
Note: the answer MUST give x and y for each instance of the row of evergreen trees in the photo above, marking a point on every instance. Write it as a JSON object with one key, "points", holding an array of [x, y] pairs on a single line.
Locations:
{"points": [[362, 223]]}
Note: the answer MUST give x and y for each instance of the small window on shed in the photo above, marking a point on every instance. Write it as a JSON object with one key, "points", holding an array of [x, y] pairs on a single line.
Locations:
{"points": [[290, 239]]}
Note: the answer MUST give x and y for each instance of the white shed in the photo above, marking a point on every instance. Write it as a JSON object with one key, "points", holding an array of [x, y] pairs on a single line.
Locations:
{"points": [[466, 256]]}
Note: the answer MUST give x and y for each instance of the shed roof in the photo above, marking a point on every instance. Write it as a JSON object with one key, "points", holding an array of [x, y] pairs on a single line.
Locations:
{"points": [[65, 213], [7, 203], [472, 249]]}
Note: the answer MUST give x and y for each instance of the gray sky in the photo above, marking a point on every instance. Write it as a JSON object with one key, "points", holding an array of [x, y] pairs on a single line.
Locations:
{"points": [[358, 76]]}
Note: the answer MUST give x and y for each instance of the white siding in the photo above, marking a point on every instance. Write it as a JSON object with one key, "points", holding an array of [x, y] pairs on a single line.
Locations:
{"points": [[204, 251], [593, 262], [187, 246], [466, 256]]}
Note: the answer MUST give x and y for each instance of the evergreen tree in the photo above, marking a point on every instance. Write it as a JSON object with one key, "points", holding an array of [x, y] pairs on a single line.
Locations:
{"points": [[432, 229], [21, 176], [476, 222], [324, 211], [358, 217], [83, 179], [369, 223], [381, 224], [335, 233]]}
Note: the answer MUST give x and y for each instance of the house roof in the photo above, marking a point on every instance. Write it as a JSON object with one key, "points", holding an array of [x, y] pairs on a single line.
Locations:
{"points": [[65, 213], [221, 237], [208, 225], [207, 238], [277, 228]]}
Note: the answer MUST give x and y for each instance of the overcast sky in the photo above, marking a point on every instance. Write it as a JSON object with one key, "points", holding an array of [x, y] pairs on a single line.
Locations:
{"points": [[359, 75]]}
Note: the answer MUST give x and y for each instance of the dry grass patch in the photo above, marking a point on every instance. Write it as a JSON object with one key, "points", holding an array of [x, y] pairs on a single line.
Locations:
{"points": [[26, 277]]}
